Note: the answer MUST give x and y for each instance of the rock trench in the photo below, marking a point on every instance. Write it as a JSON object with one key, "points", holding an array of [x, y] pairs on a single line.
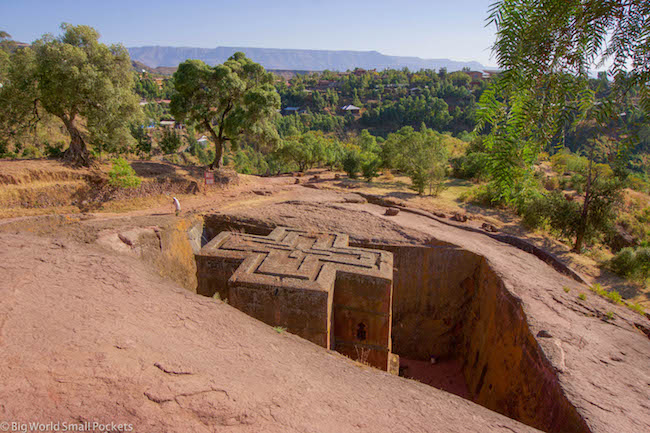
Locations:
{"points": [[456, 327]]}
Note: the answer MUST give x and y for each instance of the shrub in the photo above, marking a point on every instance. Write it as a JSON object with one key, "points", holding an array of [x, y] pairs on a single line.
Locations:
{"points": [[55, 150], [352, 163], [632, 263], [370, 165], [483, 195], [31, 152], [566, 161], [471, 166], [436, 178], [576, 164], [551, 183], [122, 175], [624, 262], [565, 216], [638, 183], [143, 141], [636, 307], [577, 182], [554, 210], [170, 142], [206, 156], [582, 296], [613, 296], [563, 182]]}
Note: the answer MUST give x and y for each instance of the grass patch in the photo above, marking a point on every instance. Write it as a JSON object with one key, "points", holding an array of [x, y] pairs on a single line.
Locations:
{"points": [[582, 296], [636, 307], [613, 296], [279, 329], [217, 296], [616, 298], [566, 289], [609, 315]]}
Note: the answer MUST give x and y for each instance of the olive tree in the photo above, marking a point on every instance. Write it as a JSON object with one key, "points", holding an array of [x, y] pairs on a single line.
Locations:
{"points": [[84, 82], [228, 101], [19, 108]]}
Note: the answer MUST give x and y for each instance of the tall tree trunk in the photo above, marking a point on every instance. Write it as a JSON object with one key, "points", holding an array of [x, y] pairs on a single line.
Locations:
{"points": [[77, 152], [582, 225], [218, 146], [218, 155]]}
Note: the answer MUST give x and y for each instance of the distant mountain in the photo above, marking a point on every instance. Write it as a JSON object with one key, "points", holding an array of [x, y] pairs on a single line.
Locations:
{"points": [[311, 60]]}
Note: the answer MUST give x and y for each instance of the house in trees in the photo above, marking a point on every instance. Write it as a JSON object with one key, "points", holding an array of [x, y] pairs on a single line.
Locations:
{"points": [[476, 76], [171, 124], [293, 110], [351, 109], [489, 73]]}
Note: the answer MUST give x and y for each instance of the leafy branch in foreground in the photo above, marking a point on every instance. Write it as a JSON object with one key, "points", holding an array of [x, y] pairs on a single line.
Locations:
{"points": [[545, 50]]}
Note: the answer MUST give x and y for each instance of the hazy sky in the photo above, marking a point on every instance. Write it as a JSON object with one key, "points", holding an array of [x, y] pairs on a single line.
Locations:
{"points": [[453, 29]]}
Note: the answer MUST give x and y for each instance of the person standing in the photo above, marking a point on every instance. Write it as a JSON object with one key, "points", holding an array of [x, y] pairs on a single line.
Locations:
{"points": [[177, 204]]}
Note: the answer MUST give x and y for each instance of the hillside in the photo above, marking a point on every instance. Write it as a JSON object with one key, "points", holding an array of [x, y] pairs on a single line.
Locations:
{"points": [[313, 60]]}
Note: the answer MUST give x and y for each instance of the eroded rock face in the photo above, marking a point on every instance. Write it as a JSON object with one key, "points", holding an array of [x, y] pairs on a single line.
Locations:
{"points": [[448, 304], [169, 247], [600, 364]]}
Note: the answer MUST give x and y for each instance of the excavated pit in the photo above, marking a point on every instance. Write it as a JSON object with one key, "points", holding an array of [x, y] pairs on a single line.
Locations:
{"points": [[456, 327]]}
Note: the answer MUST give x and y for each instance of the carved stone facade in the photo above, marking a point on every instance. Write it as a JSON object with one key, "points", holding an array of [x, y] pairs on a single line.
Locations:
{"points": [[311, 283]]}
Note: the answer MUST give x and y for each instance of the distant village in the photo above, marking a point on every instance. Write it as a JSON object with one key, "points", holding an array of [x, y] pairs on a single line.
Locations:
{"points": [[311, 82]]}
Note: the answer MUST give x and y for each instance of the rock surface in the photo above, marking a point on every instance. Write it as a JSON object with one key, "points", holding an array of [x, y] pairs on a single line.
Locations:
{"points": [[87, 335], [90, 333], [600, 364]]}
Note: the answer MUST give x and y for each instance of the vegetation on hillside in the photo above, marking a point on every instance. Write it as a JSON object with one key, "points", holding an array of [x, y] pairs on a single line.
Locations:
{"points": [[567, 152]]}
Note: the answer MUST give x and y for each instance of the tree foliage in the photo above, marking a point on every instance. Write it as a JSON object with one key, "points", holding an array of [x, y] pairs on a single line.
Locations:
{"points": [[79, 79], [228, 101], [170, 142], [546, 50], [422, 155]]}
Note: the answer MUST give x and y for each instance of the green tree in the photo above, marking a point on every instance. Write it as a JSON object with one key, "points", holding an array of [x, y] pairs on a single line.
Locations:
{"points": [[352, 162], [367, 142], [170, 142], [79, 78], [370, 163], [306, 150], [355, 98], [6, 43], [18, 95], [142, 138], [228, 101], [423, 157], [545, 50]]}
